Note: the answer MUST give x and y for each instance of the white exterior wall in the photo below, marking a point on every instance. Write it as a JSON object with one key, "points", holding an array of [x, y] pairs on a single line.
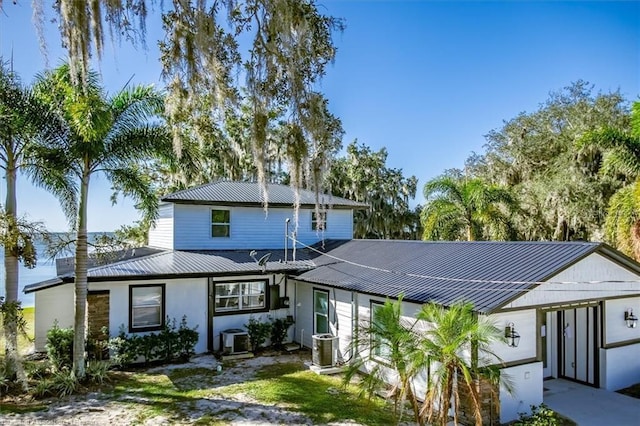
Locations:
{"points": [[525, 324], [528, 390], [55, 303], [251, 228], [619, 367], [574, 284], [161, 234], [616, 330], [185, 296]]}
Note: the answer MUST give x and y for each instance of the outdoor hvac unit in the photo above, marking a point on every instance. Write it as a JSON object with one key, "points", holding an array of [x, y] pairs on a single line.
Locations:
{"points": [[235, 341], [323, 350]]}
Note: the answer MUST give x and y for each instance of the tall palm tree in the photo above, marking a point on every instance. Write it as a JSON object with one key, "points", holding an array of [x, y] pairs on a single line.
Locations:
{"points": [[388, 341], [24, 124], [454, 333], [460, 208], [110, 136]]}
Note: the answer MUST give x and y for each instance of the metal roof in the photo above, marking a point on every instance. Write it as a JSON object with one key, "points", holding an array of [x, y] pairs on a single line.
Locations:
{"points": [[176, 264], [249, 194], [444, 272]]}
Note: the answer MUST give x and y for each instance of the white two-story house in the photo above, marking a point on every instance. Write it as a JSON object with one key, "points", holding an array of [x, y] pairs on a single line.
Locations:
{"points": [[219, 257]]}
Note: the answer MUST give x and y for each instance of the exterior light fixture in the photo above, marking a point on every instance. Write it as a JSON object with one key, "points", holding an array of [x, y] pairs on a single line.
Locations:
{"points": [[630, 319], [513, 337]]}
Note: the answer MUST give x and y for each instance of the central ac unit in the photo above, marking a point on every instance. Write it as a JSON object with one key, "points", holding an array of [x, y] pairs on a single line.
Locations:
{"points": [[235, 341]]}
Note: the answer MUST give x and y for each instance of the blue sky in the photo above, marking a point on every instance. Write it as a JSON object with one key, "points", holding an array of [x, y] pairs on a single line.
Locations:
{"points": [[425, 79]]}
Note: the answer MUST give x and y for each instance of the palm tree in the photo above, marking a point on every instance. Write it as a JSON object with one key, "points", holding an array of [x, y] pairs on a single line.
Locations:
{"points": [[621, 159], [24, 124], [460, 208], [109, 136], [455, 332], [388, 341]]}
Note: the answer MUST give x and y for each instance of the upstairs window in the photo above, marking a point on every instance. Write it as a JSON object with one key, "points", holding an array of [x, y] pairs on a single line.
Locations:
{"points": [[241, 296], [220, 223], [319, 221]]}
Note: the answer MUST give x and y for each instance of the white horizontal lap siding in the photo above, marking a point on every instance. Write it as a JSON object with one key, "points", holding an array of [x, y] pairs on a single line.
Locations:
{"points": [[341, 321], [184, 296], [252, 228], [616, 330], [161, 234], [576, 284], [303, 309], [525, 323], [52, 304]]}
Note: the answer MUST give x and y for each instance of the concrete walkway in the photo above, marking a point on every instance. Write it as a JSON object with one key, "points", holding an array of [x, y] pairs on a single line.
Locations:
{"points": [[591, 406]]}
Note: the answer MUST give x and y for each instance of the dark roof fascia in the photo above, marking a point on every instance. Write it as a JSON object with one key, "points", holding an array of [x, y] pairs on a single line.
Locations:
{"points": [[246, 204], [32, 288], [150, 277]]}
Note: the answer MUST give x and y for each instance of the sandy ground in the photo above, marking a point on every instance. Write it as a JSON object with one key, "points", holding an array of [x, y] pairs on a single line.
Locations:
{"points": [[97, 409]]}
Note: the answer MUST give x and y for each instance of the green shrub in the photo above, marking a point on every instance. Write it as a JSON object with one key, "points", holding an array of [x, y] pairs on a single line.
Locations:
{"points": [[540, 416], [43, 388], [279, 329], [258, 332], [98, 371], [170, 344], [37, 370], [60, 347], [65, 382]]}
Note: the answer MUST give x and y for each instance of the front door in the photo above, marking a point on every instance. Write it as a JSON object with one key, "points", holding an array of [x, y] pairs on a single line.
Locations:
{"points": [[579, 340]]}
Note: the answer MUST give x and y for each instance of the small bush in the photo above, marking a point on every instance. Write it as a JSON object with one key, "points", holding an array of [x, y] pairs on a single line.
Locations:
{"points": [[170, 344], [43, 388], [37, 370], [279, 329], [540, 416], [258, 332], [98, 371], [60, 347], [65, 382]]}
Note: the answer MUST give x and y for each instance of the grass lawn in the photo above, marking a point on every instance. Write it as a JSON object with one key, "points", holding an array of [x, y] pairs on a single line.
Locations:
{"points": [[24, 343], [289, 385]]}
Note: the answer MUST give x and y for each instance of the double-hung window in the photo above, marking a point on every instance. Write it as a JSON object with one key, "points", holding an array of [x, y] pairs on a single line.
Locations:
{"points": [[379, 344], [220, 223], [146, 307], [241, 296], [319, 221]]}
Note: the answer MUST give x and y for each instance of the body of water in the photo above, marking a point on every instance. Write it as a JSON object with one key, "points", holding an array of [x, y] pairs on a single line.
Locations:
{"points": [[45, 269]]}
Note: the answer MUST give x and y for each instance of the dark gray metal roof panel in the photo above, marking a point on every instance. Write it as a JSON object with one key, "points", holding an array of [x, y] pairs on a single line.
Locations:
{"points": [[188, 263], [249, 193], [444, 272]]}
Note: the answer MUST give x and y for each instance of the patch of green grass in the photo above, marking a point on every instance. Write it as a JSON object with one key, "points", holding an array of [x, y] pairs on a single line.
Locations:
{"points": [[20, 407], [25, 343], [189, 379], [322, 398]]}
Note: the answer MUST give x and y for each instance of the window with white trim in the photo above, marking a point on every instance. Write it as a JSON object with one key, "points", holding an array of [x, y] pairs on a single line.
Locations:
{"points": [[320, 311], [220, 223], [146, 303], [319, 221], [240, 296]]}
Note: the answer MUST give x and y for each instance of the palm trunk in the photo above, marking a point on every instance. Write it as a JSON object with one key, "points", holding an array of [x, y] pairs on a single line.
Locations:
{"points": [[80, 321], [13, 363]]}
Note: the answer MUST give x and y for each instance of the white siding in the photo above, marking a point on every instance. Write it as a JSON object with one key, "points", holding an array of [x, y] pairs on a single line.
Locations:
{"points": [[55, 303], [251, 228], [185, 296], [161, 234], [616, 329], [619, 367], [575, 284], [527, 391], [525, 324]]}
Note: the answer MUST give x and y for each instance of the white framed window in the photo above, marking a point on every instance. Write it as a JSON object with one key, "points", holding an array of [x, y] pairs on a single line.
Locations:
{"points": [[320, 311], [319, 221], [220, 223], [379, 345], [240, 296], [146, 307]]}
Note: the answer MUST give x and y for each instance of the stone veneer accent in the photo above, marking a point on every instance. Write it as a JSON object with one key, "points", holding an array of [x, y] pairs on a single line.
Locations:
{"points": [[489, 404], [98, 314]]}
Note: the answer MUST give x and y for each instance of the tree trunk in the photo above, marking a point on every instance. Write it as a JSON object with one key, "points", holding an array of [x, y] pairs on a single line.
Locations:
{"points": [[80, 321], [13, 362]]}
